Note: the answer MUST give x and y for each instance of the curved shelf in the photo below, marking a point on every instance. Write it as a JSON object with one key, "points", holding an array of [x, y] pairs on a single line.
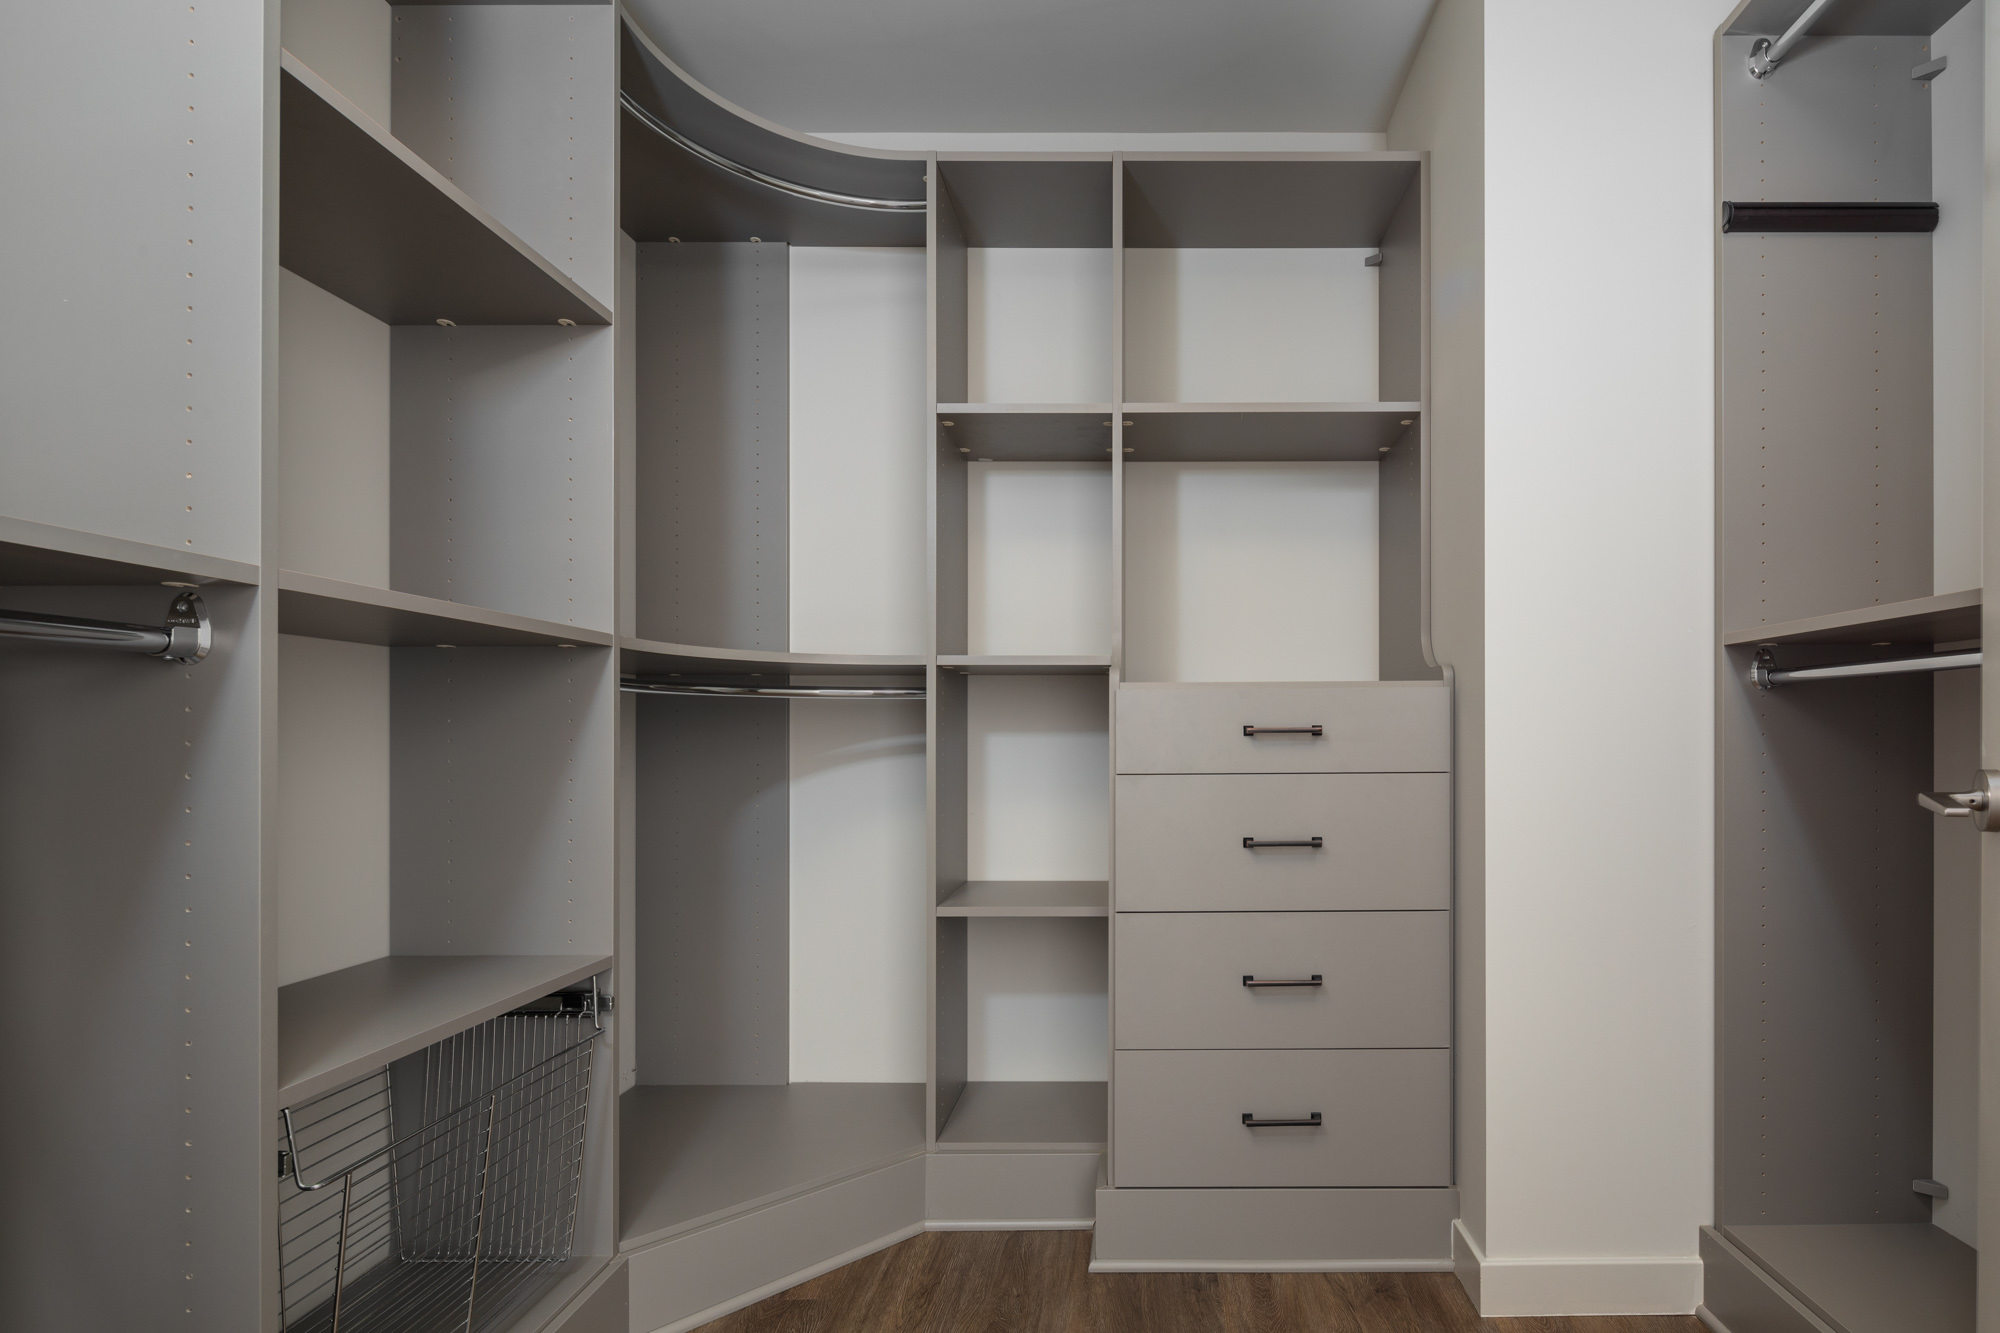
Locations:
{"points": [[716, 183]]}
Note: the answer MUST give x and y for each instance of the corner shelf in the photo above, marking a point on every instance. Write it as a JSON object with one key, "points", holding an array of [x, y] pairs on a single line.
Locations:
{"points": [[686, 659], [1265, 432], [1027, 432], [1029, 897], [1884, 1277], [323, 608], [1951, 617], [340, 1025], [1024, 664], [368, 220], [688, 1155], [41, 554], [1054, 1117]]}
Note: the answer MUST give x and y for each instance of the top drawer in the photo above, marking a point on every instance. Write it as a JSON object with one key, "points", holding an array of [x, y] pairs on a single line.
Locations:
{"points": [[1365, 726]]}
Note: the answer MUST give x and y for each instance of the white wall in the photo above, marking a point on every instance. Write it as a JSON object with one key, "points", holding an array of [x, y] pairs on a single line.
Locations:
{"points": [[333, 431], [858, 905], [1238, 326], [1958, 183], [1251, 571], [859, 447], [1599, 541], [1038, 559], [1038, 326], [332, 900]]}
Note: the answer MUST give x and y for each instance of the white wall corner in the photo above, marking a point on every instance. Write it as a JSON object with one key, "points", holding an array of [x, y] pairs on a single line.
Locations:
{"points": [[1504, 1288]]}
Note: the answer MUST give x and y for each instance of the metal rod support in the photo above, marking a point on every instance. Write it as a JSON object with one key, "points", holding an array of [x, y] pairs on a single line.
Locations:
{"points": [[1765, 53], [834, 197], [185, 637], [776, 691], [1767, 677]]}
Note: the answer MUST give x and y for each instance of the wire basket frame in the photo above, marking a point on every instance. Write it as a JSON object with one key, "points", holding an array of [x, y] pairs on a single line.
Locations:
{"points": [[439, 1193]]}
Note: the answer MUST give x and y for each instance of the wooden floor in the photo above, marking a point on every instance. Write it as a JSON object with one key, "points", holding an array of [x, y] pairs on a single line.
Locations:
{"points": [[1037, 1282]]}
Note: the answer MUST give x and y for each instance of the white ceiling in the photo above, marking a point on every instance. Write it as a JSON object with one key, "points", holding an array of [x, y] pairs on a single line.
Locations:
{"points": [[1029, 66]]}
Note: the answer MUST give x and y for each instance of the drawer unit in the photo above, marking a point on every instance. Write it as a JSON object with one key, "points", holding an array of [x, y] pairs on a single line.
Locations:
{"points": [[1216, 979], [1384, 842], [1364, 727], [1384, 1118]]}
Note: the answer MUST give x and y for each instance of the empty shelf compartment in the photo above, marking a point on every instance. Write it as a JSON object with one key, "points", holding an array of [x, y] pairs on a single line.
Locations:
{"points": [[1056, 1116]]}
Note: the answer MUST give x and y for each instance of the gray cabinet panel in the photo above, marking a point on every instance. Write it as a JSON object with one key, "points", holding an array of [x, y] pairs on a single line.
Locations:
{"points": [[1367, 726], [1385, 979], [1386, 842], [1385, 1118]]}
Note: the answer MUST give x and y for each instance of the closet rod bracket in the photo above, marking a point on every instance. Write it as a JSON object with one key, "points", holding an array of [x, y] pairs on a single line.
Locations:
{"points": [[184, 637], [1977, 805]]}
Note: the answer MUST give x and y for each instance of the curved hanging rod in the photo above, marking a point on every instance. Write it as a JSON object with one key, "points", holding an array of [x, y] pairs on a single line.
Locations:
{"points": [[185, 637], [775, 691], [669, 133]]}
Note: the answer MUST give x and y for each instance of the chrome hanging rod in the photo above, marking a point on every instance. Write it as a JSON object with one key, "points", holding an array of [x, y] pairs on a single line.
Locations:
{"points": [[1765, 53], [817, 195], [184, 638], [1766, 677], [775, 691]]}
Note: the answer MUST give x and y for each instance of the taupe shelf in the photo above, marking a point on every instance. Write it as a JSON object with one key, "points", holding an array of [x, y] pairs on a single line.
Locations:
{"points": [[1028, 897], [323, 608], [38, 554], [650, 657], [1951, 617], [1894, 1277], [1027, 432], [362, 216], [343, 1024], [1199, 200], [1024, 664], [1063, 1117], [688, 1155], [1265, 432]]}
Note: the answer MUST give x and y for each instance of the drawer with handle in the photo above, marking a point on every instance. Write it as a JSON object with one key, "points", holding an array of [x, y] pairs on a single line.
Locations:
{"points": [[1282, 1118], [1247, 980], [1394, 726], [1261, 842]]}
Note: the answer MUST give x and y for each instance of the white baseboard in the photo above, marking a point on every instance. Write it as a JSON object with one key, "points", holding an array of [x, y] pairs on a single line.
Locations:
{"points": [[1590, 1285], [1270, 1266]]}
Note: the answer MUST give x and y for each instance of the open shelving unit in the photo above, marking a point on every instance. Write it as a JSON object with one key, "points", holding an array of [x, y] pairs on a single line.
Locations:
{"points": [[1023, 1115]]}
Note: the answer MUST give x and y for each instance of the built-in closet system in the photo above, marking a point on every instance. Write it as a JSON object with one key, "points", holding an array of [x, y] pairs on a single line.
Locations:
{"points": [[1851, 541], [725, 698]]}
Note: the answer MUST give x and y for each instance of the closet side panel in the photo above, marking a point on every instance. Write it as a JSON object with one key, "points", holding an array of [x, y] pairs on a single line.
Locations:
{"points": [[712, 917], [500, 790], [1399, 312], [132, 379], [713, 466], [1824, 923], [501, 461], [135, 1166]]}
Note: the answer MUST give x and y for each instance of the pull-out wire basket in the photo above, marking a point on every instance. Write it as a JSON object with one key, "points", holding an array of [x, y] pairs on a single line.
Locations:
{"points": [[440, 1193]]}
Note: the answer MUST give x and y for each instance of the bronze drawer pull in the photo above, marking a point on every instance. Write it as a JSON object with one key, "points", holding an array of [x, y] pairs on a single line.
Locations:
{"points": [[1314, 980], [1251, 1121], [1314, 730], [1316, 843]]}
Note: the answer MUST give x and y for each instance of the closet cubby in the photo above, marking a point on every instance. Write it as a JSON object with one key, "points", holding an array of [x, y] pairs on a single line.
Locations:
{"points": [[1848, 547]]}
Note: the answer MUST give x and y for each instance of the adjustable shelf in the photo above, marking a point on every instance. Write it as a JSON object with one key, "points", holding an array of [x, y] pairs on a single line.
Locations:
{"points": [[651, 657], [1951, 617], [1024, 664], [323, 608], [1895, 1277], [334, 1027], [1265, 432], [1028, 897], [1055, 1117], [1027, 432], [39, 554], [689, 1155], [365, 218]]}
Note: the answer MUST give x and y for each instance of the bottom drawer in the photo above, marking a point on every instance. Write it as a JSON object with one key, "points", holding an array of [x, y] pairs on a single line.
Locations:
{"points": [[1385, 1118]]}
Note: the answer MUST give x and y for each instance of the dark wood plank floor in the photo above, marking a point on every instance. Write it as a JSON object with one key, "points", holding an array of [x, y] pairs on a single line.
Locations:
{"points": [[1038, 1282]]}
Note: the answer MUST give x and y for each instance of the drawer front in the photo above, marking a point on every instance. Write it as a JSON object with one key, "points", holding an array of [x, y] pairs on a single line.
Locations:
{"points": [[1384, 979], [1385, 1118], [1365, 727], [1385, 842]]}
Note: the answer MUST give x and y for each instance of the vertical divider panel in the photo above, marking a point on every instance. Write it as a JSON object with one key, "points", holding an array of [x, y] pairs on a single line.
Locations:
{"points": [[1117, 639], [1400, 571], [949, 294], [949, 936]]}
